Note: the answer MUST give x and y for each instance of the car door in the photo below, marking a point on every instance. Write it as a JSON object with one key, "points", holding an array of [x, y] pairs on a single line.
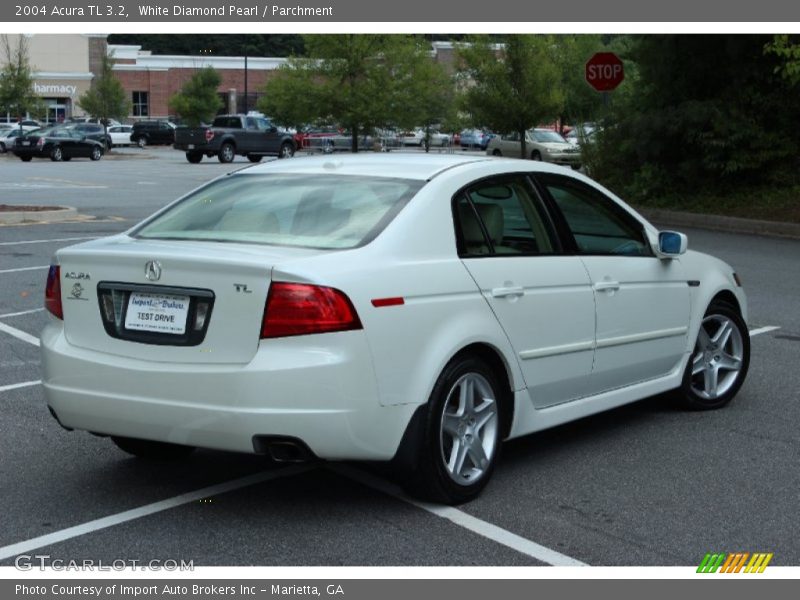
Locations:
{"points": [[542, 298], [642, 301], [271, 137], [76, 144]]}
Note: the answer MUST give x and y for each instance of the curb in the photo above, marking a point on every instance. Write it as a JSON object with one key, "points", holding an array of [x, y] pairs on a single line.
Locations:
{"points": [[65, 213], [720, 223]]}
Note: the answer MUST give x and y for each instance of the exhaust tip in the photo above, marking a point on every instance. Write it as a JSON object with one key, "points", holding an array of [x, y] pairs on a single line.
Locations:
{"points": [[283, 449]]}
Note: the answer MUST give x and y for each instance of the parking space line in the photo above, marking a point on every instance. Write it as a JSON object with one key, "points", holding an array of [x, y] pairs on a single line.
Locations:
{"points": [[24, 269], [22, 312], [16, 386], [761, 330], [19, 334], [465, 520], [70, 239], [146, 510]]}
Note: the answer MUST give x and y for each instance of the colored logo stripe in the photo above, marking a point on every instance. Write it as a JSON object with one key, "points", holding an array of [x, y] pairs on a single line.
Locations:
{"points": [[734, 562]]}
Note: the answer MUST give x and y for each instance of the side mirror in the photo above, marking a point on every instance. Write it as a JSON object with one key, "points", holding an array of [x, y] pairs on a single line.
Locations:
{"points": [[672, 243]]}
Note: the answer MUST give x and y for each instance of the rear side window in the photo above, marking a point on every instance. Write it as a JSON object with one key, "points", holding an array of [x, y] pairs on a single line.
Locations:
{"points": [[328, 211], [501, 217]]}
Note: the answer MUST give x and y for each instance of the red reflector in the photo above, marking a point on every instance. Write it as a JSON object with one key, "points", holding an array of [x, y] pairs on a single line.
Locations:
{"points": [[52, 292], [301, 309], [380, 302]]}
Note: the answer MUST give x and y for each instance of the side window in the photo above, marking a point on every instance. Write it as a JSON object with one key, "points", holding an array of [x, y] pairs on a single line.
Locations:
{"points": [[250, 123], [597, 223], [501, 217]]}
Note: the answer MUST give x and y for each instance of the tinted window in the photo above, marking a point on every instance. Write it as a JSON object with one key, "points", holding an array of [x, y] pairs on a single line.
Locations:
{"points": [[597, 223], [501, 217], [287, 210]]}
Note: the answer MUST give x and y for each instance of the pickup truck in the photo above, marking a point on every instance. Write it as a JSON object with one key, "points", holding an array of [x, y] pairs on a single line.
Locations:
{"points": [[229, 135]]}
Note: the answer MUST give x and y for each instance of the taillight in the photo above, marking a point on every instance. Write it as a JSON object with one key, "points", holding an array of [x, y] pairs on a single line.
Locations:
{"points": [[301, 309], [209, 135], [40, 142], [52, 292]]}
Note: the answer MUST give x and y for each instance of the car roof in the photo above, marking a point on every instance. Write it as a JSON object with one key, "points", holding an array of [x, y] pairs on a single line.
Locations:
{"points": [[421, 166]]}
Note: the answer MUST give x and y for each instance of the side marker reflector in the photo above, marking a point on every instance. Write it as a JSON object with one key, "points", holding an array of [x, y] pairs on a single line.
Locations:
{"points": [[381, 302]]}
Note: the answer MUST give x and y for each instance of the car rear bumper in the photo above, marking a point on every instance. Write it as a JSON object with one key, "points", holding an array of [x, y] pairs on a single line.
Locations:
{"points": [[323, 395]]}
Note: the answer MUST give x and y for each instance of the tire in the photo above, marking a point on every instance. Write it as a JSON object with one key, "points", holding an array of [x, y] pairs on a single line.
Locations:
{"points": [[25, 158], [194, 157], [152, 450], [141, 141], [719, 362], [496, 152], [455, 431], [254, 158], [57, 154], [226, 153], [286, 151], [67, 158], [536, 155], [97, 153]]}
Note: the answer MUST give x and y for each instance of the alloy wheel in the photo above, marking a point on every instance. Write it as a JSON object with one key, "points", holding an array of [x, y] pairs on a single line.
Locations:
{"points": [[718, 357]]}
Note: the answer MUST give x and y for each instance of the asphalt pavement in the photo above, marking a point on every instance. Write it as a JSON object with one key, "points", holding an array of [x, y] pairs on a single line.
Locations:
{"points": [[646, 484]]}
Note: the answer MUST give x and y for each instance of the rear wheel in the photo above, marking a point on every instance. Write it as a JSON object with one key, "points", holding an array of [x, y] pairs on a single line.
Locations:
{"points": [[152, 450], [226, 153], [56, 154], [719, 362], [194, 157], [286, 151], [461, 439], [96, 153], [254, 158], [536, 155]]}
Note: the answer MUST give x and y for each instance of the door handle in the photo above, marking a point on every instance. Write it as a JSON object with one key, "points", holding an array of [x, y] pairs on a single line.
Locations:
{"points": [[606, 286], [505, 292]]}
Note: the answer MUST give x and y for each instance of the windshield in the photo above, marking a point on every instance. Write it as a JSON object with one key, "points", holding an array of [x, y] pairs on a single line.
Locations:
{"points": [[546, 136], [326, 211]]}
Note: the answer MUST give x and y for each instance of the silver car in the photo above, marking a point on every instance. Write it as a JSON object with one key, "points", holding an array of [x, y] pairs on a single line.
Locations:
{"points": [[540, 144]]}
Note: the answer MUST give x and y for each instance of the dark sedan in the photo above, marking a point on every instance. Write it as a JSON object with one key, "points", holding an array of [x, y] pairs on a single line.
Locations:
{"points": [[57, 144]]}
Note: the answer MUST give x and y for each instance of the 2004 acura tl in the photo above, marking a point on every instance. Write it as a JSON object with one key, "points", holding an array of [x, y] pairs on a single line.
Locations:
{"points": [[417, 308]]}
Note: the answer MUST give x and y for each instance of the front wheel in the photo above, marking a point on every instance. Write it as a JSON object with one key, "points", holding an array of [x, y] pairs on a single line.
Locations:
{"points": [[536, 155], [496, 152], [56, 154], [719, 362], [461, 439], [226, 153], [96, 153], [286, 151], [141, 141], [151, 450]]}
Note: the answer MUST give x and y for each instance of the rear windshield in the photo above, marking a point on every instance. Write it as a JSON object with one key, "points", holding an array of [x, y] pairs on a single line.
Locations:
{"points": [[325, 211]]}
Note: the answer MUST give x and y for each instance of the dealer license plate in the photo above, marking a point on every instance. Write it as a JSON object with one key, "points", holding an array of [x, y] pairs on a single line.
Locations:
{"points": [[160, 313]]}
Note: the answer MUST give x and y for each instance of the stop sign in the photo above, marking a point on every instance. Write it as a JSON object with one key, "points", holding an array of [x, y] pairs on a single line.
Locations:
{"points": [[604, 71]]}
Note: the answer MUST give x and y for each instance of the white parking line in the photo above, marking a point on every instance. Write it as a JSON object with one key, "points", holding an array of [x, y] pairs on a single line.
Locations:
{"points": [[16, 386], [70, 239], [24, 269], [144, 511], [462, 519], [19, 334], [761, 330], [22, 312]]}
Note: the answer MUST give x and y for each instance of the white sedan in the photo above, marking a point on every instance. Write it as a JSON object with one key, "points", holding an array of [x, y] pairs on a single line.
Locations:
{"points": [[540, 144], [412, 308], [120, 135]]}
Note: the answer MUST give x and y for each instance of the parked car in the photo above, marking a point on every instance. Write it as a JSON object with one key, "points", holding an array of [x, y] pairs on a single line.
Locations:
{"points": [[9, 136], [581, 134], [151, 133], [120, 135], [25, 125], [92, 131], [384, 308], [475, 138], [57, 144], [540, 144]]}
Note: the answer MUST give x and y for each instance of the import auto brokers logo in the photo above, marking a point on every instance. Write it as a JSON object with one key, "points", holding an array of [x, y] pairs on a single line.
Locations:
{"points": [[734, 562]]}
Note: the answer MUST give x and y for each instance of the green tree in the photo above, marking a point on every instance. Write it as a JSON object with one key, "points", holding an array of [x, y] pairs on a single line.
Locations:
{"points": [[581, 103], [513, 88], [16, 81], [198, 101], [354, 80], [106, 99]]}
